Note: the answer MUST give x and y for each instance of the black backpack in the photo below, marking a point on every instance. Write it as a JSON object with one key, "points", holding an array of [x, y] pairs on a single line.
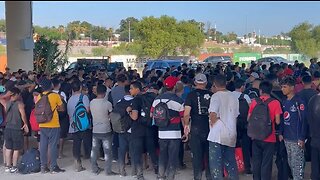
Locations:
{"points": [[30, 162], [147, 100], [161, 115], [260, 124], [242, 121], [120, 120]]}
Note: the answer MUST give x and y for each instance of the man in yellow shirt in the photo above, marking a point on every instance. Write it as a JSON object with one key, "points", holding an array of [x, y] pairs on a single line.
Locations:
{"points": [[50, 131]]}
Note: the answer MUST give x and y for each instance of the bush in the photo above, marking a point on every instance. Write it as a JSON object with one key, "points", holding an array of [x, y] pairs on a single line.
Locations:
{"points": [[99, 51]]}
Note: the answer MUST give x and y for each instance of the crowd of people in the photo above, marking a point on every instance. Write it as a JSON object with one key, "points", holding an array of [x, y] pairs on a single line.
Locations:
{"points": [[213, 109]]}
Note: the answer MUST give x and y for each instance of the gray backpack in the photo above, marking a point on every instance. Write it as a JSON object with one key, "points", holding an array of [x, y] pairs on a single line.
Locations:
{"points": [[42, 110]]}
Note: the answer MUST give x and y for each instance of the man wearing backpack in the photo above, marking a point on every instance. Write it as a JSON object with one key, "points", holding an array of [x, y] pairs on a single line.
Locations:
{"points": [[151, 138], [224, 110], [50, 131], [263, 149], [242, 137], [167, 111], [293, 130], [138, 129], [124, 138], [196, 106], [63, 116], [77, 134]]}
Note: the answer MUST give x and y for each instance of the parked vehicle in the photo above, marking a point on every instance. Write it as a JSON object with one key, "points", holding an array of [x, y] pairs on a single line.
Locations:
{"points": [[163, 64], [215, 59], [274, 59]]}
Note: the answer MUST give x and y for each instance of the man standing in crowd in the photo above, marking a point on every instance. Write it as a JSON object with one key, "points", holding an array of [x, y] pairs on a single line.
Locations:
{"points": [[224, 110], [138, 130], [293, 129], [196, 107], [170, 136], [78, 136], [263, 150], [50, 131], [102, 132]]}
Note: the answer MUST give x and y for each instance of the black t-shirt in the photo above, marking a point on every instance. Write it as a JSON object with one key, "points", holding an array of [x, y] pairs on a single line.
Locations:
{"points": [[306, 95], [230, 86], [199, 118], [252, 92], [137, 129]]}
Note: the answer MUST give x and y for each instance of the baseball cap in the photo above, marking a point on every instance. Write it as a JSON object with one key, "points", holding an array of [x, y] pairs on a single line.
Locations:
{"points": [[255, 75], [171, 81], [200, 78], [46, 84]]}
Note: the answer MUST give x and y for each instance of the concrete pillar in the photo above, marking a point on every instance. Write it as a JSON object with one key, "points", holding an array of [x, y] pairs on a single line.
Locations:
{"points": [[18, 28]]}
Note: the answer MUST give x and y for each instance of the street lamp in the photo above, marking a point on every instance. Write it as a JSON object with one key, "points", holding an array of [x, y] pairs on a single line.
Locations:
{"points": [[129, 32]]}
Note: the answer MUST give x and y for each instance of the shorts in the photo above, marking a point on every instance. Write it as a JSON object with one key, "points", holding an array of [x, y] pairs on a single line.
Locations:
{"points": [[13, 139], [64, 128]]}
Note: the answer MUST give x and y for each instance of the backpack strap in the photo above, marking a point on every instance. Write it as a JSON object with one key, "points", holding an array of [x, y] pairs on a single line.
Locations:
{"points": [[242, 96], [81, 97], [269, 100]]}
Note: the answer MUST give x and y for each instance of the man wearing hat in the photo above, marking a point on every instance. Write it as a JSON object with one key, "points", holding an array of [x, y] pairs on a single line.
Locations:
{"points": [[170, 136], [196, 109]]}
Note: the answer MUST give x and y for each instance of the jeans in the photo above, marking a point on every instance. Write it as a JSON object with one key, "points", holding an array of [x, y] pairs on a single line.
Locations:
{"points": [[295, 159], [106, 141], [220, 157], [136, 144], [49, 137], [246, 144], [315, 163], [169, 158], [282, 161], [200, 156], [78, 137], [262, 157], [151, 146], [124, 142], [115, 145]]}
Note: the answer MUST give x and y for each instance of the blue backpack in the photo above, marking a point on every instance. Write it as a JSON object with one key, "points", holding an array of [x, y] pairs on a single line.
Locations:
{"points": [[80, 116]]}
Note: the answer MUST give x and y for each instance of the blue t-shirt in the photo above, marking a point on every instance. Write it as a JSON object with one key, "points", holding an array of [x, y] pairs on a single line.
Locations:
{"points": [[294, 124]]}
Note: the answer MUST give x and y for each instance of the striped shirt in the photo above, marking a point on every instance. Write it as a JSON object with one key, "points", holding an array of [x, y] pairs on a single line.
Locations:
{"points": [[176, 110]]}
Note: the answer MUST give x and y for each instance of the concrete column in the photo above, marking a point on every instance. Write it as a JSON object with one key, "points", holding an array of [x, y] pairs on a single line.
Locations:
{"points": [[19, 27]]}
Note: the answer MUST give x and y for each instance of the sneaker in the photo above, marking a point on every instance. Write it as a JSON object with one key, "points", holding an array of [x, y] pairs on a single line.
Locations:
{"points": [[56, 169], [7, 169], [124, 174], [111, 173], [13, 169], [101, 158], [45, 170], [114, 161], [97, 172]]}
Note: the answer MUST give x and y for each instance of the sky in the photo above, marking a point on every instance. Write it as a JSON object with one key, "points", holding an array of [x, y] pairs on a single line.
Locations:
{"points": [[271, 17]]}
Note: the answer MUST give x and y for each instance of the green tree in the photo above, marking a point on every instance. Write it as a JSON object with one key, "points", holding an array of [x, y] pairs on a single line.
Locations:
{"points": [[99, 33], [2, 25], [47, 56], [124, 29], [303, 39]]}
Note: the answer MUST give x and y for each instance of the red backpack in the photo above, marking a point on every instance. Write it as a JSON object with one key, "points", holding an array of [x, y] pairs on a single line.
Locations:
{"points": [[33, 122]]}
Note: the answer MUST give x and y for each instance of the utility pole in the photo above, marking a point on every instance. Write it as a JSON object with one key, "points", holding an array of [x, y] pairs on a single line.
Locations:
{"points": [[215, 31], [129, 33]]}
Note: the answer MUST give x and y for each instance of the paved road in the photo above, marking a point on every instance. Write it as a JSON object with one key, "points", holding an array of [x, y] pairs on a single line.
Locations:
{"points": [[70, 174]]}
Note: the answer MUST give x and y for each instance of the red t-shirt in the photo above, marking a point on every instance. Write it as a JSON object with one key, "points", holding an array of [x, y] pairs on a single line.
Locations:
{"points": [[275, 109]]}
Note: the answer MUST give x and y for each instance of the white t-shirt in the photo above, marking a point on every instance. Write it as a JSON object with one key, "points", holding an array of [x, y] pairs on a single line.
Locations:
{"points": [[100, 109], [238, 94], [226, 106]]}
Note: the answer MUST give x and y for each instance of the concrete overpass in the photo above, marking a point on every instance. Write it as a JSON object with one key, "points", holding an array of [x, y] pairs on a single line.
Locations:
{"points": [[19, 33]]}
